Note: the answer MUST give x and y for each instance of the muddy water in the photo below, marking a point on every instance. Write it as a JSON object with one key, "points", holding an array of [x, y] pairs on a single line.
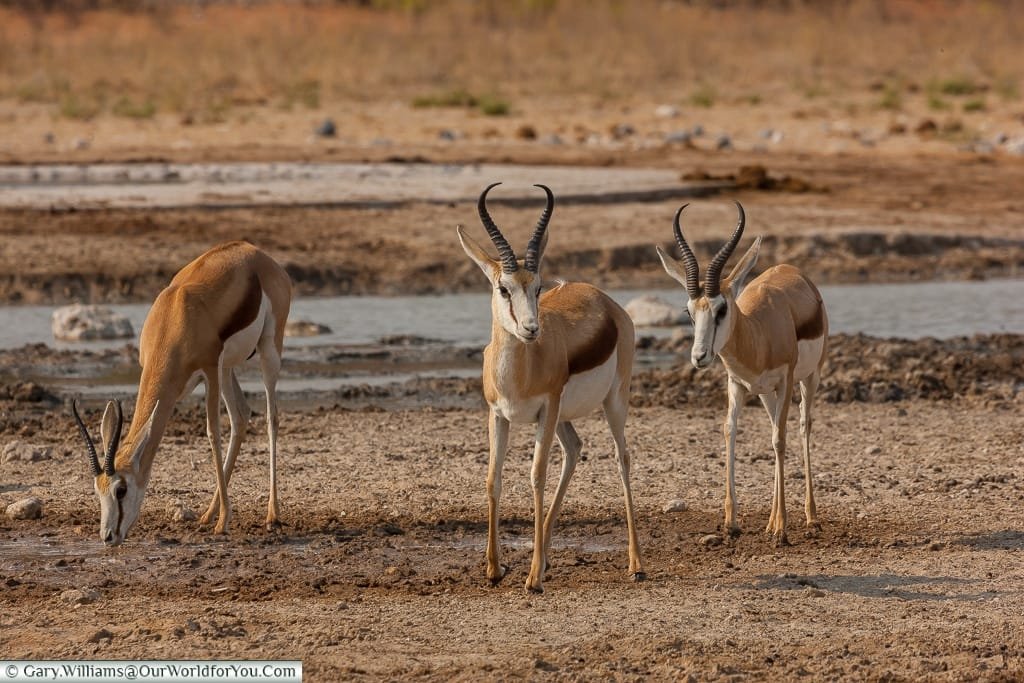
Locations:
{"points": [[911, 310]]}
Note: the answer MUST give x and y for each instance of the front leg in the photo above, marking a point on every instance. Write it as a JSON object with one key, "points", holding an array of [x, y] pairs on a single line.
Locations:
{"points": [[737, 396], [497, 430], [778, 411], [546, 426]]}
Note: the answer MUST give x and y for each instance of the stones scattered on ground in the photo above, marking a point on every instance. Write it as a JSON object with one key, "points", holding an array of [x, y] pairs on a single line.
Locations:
{"points": [[675, 505], [679, 137], [552, 139], [666, 111], [18, 451], [100, 636], [710, 540], [304, 327], [652, 311], [697, 131], [326, 129], [622, 130], [812, 592], [81, 322], [80, 596], [723, 141], [872, 450], [27, 392], [27, 508], [180, 512], [447, 134]]}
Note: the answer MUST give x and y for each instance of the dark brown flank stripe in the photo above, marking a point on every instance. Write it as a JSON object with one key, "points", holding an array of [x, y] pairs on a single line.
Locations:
{"points": [[597, 349], [813, 327], [247, 310]]}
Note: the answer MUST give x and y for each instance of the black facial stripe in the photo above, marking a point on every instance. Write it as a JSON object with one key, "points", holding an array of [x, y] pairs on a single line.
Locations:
{"points": [[120, 512]]}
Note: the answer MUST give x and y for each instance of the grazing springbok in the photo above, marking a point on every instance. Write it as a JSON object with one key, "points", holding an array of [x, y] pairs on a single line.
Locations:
{"points": [[217, 312], [770, 334], [552, 358]]}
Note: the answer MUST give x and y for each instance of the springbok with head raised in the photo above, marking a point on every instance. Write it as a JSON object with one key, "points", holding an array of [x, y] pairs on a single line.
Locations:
{"points": [[553, 357], [217, 312], [770, 334]]}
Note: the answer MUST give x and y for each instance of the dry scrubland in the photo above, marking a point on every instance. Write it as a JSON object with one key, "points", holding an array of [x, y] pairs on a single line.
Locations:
{"points": [[379, 572]]}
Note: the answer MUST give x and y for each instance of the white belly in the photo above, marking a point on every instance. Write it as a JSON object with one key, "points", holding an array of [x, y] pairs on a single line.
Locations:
{"points": [[582, 394], [239, 346]]}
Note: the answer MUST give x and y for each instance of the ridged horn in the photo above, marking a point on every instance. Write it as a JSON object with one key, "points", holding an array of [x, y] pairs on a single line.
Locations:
{"points": [[508, 257], [532, 262], [713, 277], [93, 460], [115, 441], [689, 260]]}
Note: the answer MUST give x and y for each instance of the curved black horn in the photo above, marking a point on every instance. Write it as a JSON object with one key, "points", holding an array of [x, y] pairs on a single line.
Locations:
{"points": [[115, 441], [532, 263], [508, 257], [689, 260], [93, 460], [712, 279]]}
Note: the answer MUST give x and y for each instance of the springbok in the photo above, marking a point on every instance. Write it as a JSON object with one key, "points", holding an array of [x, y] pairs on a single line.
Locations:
{"points": [[552, 358], [770, 334], [217, 312]]}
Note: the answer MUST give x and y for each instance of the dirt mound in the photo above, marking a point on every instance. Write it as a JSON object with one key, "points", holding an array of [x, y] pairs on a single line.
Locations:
{"points": [[866, 369]]}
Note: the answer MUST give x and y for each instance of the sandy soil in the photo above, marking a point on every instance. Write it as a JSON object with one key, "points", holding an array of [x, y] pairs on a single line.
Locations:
{"points": [[379, 571]]}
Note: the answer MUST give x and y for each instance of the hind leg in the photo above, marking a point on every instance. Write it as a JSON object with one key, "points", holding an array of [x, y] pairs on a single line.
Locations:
{"points": [[571, 446], [616, 406], [808, 387], [270, 364]]}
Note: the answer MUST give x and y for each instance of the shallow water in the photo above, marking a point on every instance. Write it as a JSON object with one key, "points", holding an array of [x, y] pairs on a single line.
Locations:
{"points": [[910, 310]]}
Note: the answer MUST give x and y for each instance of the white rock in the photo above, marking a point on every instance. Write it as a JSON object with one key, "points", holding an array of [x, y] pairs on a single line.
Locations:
{"points": [[304, 327], [666, 111], [1015, 146], [679, 137], [184, 514], [651, 311], [27, 508], [80, 322], [710, 540], [80, 596], [19, 451], [675, 505]]}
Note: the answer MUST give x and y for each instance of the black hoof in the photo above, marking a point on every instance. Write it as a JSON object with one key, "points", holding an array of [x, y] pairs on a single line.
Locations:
{"points": [[497, 579], [639, 576], [534, 590]]}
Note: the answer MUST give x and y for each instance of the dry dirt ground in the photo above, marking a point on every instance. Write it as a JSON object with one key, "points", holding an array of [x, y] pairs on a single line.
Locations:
{"points": [[379, 571]]}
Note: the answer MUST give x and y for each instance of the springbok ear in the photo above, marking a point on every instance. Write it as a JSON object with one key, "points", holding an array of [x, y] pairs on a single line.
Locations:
{"points": [[675, 269], [108, 426], [145, 434], [738, 277], [487, 264]]}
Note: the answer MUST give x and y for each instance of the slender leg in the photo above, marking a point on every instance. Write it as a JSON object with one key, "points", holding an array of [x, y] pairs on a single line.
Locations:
{"points": [[497, 428], [538, 476], [213, 431], [571, 446], [771, 406], [238, 414], [808, 387], [737, 395], [777, 520], [270, 364], [615, 408]]}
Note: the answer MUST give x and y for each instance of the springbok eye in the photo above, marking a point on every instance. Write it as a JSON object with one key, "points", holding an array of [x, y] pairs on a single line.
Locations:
{"points": [[504, 292], [121, 491], [720, 313]]}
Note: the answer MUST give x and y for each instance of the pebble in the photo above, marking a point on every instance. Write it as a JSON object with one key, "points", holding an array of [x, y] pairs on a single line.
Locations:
{"points": [[723, 142], [872, 450], [326, 129], [184, 514], [102, 634], [447, 134], [622, 130], [697, 131], [80, 596], [666, 111], [23, 452], [710, 540], [675, 505], [814, 592], [552, 140], [679, 137], [27, 508], [79, 322], [526, 132], [303, 327]]}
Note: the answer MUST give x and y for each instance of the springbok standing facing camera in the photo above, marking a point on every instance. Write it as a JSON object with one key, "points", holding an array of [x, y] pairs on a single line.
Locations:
{"points": [[218, 311], [770, 334], [552, 358]]}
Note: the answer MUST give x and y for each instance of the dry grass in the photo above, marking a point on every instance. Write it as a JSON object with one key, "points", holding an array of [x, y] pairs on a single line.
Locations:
{"points": [[205, 62]]}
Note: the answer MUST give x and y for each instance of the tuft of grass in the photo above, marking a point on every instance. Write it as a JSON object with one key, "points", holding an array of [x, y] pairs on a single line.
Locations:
{"points": [[936, 103], [753, 99], [957, 86], [129, 108], [891, 99], [703, 97], [74, 106], [491, 105], [974, 105], [449, 98], [1008, 88], [305, 92]]}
